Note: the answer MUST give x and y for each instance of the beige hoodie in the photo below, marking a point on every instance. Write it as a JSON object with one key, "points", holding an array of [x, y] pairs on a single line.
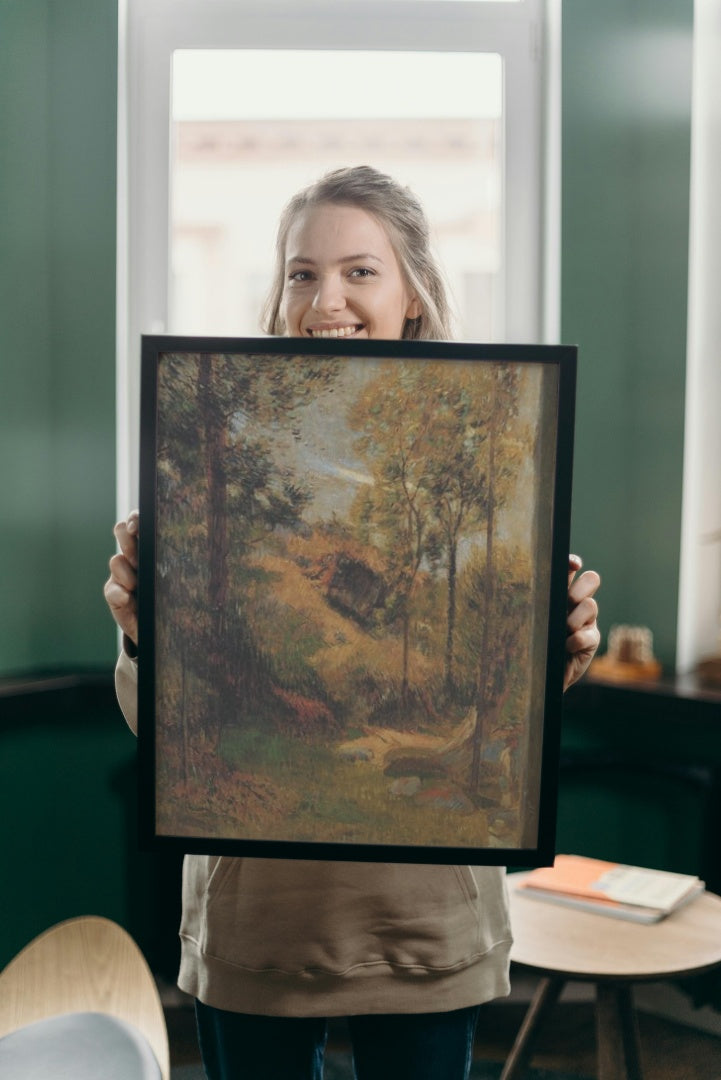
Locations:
{"points": [[284, 937]]}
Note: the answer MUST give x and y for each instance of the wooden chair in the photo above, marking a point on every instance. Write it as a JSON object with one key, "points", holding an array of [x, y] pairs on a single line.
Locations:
{"points": [[90, 972]]}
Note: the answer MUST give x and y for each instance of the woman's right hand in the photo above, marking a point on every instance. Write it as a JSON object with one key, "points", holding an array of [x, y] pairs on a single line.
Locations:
{"points": [[121, 587]]}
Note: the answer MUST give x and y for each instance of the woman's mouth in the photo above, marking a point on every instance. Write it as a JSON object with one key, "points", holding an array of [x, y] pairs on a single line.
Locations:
{"points": [[335, 331]]}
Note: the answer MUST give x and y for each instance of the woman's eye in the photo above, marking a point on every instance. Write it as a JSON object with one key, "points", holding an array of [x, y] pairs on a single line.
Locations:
{"points": [[362, 272], [300, 276]]}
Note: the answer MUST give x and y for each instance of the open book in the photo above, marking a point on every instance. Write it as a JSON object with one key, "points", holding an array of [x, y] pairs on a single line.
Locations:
{"points": [[608, 888]]}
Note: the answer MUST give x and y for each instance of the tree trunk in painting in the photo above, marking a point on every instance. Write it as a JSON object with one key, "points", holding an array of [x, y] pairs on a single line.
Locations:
{"points": [[414, 555], [450, 614], [406, 654], [217, 522], [213, 424], [185, 735], [482, 688]]}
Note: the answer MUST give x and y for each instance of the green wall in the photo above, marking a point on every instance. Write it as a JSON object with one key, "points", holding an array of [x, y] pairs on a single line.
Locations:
{"points": [[68, 803], [68, 775], [641, 779], [66, 759], [58, 71], [625, 201], [626, 137]]}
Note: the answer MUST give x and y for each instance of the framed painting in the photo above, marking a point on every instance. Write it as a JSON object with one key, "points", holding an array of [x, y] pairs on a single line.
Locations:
{"points": [[352, 597]]}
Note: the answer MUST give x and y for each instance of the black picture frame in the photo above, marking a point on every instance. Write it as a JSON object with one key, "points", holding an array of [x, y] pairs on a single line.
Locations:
{"points": [[319, 627]]}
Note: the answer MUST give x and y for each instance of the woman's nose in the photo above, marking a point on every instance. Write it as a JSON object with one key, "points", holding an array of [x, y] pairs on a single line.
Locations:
{"points": [[329, 296]]}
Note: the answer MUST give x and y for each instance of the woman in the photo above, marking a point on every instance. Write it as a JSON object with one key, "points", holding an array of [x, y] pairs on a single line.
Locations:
{"points": [[271, 948]]}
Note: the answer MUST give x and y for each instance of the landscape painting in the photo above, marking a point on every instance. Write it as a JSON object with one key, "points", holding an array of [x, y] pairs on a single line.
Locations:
{"points": [[354, 627]]}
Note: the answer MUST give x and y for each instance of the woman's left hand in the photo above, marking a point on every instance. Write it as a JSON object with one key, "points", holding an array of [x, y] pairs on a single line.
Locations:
{"points": [[583, 635]]}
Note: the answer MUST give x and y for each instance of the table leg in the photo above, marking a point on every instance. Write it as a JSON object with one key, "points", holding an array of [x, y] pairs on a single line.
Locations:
{"points": [[545, 997], [617, 1033]]}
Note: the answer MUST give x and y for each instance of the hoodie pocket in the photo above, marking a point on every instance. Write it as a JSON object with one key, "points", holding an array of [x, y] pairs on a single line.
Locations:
{"points": [[468, 884], [295, 916]]}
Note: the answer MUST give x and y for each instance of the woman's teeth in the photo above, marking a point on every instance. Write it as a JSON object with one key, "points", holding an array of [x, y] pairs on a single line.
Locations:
{"points": [[337, 331]]}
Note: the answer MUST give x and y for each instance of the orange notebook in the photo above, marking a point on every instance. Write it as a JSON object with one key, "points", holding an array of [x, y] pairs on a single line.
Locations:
{"points": [[631, 892]]}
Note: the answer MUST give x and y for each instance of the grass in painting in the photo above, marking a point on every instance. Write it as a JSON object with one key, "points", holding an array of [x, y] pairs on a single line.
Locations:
{"points": [[305, 793]]}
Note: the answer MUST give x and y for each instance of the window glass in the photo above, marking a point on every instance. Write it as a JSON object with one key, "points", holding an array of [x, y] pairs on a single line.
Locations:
{"points": [[238, 154], [226, 108]]}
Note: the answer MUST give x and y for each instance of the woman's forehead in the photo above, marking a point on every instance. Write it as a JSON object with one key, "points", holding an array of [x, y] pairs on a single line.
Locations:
{"points": [[327, 229]]}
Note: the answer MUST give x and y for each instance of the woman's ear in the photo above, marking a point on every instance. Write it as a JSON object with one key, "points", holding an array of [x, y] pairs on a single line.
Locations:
{"points": [[415, 309]]}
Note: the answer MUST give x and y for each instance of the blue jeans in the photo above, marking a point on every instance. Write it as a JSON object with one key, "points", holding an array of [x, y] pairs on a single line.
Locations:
{"points": [[414, 1046]]}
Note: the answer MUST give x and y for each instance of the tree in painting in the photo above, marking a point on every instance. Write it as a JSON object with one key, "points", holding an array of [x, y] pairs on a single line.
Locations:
{"points": [[400, 508], [223, 494], [444, 449], [344, 594]]}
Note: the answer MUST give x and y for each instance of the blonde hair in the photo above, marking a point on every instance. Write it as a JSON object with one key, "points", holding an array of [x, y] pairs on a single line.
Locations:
{"points": [[403, 217]]}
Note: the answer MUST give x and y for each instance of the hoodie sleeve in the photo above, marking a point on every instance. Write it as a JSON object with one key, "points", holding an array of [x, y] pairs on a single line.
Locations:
{"points": [[126, 688]]}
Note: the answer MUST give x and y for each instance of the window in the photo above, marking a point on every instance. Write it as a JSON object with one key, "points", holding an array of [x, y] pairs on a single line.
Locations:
{"points": [[227, 107], [235, 161]]}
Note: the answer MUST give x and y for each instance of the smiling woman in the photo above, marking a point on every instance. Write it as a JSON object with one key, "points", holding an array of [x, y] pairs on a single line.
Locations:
{"points": [[299, 940], [331, 292], [353, 259]]}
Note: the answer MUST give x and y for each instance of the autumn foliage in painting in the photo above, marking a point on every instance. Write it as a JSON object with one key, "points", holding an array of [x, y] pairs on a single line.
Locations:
{"points": [[347, 589]]}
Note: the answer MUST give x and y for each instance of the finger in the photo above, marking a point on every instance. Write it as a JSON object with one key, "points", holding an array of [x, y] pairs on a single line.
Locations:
{"points": [[119, 599], [583, 641], [123, 573], [575, 562], [584, 613], [585, 585], [126, 534], [123, 608]]}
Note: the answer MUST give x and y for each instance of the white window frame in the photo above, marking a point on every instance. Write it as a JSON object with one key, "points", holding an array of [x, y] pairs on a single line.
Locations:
{"points": [[526, 34], [699, 597]]}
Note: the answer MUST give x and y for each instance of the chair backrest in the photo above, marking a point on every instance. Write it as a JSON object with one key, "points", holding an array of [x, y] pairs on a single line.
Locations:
{"points": [[87, 964]]}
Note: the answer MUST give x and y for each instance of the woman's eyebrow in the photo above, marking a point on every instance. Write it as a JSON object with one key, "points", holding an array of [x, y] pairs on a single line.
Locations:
{"points": [[361, 257]]}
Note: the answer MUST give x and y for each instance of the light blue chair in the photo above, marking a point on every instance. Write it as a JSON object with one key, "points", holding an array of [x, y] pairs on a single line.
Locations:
{"points": [[80, 1003]]}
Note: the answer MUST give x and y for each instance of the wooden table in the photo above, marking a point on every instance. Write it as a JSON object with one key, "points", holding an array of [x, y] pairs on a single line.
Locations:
{"points": [[563, 944]]}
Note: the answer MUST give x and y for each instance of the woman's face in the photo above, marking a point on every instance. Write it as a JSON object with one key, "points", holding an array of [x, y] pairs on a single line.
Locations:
{"points": [[342, 277]]}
